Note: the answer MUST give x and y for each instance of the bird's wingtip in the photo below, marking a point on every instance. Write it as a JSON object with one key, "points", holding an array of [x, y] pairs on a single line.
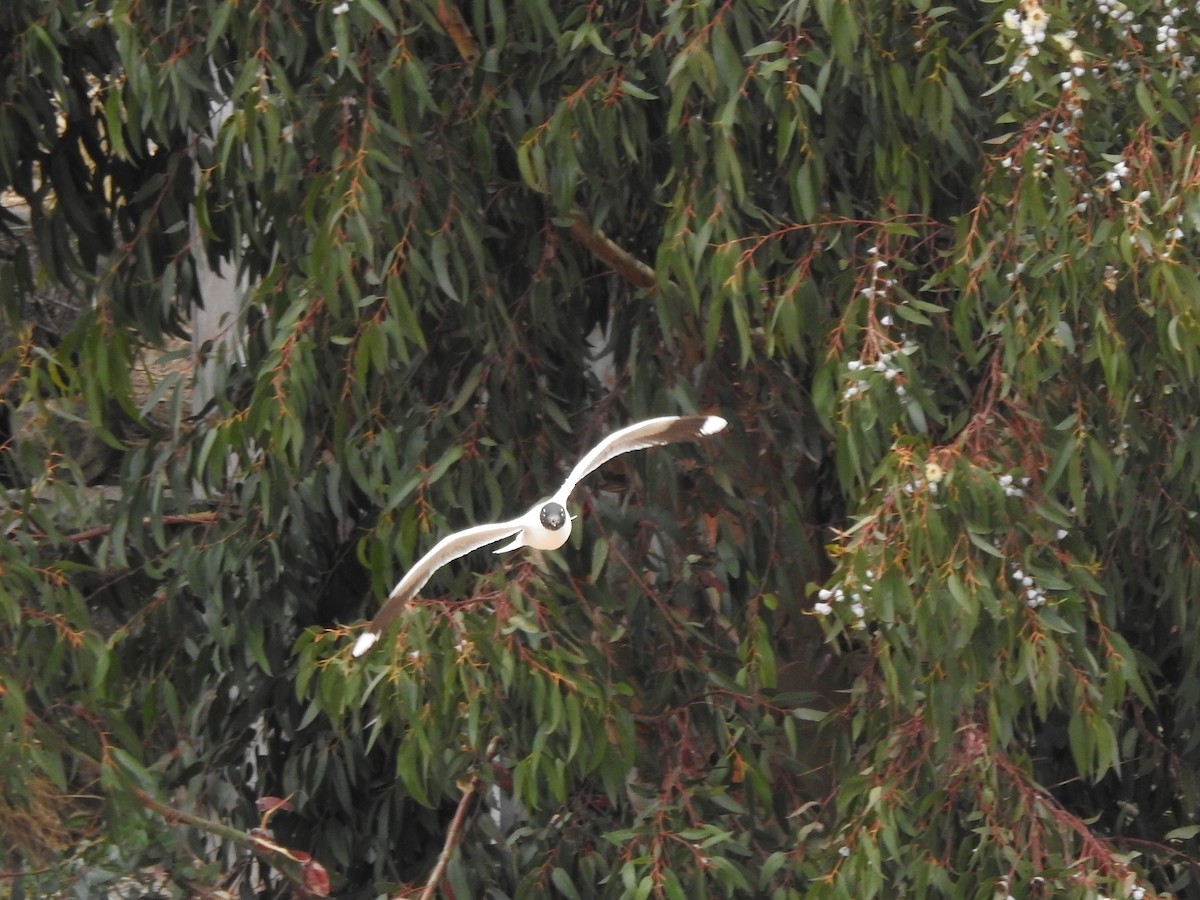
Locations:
{"points": [[365, 642], [712, 424]]}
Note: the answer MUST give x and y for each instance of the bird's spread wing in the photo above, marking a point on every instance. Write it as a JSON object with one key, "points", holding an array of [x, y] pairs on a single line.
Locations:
{"points": [[447, 549], [639, 436]]}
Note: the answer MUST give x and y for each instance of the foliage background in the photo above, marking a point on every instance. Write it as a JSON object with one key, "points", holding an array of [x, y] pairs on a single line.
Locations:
{"points": [[920, 622]]}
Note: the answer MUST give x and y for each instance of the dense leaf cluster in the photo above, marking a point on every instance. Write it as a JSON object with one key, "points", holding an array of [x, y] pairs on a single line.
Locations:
{"points": [[918, 623]]}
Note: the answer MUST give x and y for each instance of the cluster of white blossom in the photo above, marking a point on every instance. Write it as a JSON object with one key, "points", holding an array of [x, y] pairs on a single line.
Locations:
{"points": [[1120, 16], [1068, 78], [850, 593], [1137, 892], [1030, 23], [1027, 587], [1034, 595], [838, 595], [1155, 234], [1120, 447], [880, 283], [1051, 143], [1011, 487], [861, 373], [885, 367], [933, 477], [1114, 175], [1167, 33], [1042, 150]]}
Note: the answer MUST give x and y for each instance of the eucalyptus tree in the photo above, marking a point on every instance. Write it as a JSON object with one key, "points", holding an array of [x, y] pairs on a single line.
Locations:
{"points": [[918, 622]]}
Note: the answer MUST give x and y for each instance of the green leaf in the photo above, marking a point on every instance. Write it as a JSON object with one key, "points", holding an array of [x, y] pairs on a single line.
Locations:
{"points": [[563, 884], [628, 87], [599, 557], [379, 14], [440, 253]]}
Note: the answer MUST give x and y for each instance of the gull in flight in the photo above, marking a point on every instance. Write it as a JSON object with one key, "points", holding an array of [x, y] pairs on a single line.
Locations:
{"points": [[546, 526]]}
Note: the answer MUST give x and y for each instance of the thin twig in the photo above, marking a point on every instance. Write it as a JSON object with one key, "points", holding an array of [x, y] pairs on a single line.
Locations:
{"points": [[78, 537], [460, 815], [616, 257], [456, 27], [308, 877]]}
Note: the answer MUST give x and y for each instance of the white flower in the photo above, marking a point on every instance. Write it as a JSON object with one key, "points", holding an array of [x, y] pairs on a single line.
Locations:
{"points": [[822, 609], [341, 9]]}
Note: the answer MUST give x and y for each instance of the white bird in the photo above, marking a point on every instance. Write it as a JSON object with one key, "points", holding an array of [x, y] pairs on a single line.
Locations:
{"points": [[546, 526]]}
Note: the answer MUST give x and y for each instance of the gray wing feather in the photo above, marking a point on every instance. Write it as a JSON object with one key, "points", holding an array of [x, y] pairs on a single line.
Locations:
{"points": [[446, 550], [639, 436]]}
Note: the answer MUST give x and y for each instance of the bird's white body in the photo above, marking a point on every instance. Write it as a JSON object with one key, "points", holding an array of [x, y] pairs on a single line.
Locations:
{"points": [[546, 525]]}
